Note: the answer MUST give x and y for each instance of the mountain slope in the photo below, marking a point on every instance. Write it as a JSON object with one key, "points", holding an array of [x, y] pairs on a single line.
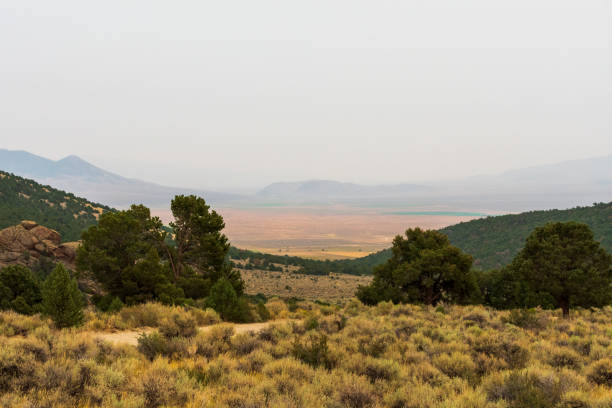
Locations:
{"points": [[494, 241], [24, 199], [75, 174]]}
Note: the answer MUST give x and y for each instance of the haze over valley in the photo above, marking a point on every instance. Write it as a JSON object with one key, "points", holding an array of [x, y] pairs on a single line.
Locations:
{"points": [[331, 219]]}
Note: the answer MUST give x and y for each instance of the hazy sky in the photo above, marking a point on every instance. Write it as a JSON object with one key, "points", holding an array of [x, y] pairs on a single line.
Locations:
{"points": [[231, 93]]}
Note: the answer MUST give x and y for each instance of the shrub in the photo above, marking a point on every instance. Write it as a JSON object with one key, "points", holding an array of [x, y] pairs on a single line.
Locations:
{"points": [[263, 312], [313, 350], [19, 289], [600, 372], [244, 343], [355, 392], [456, 365], [278, 308], [564, 357], [525, 318], [152, 345], [162, 386], [178, 324], [61, 298], [531, 388]]}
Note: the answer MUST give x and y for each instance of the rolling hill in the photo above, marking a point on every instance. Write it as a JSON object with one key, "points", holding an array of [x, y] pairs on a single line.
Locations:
{"points": [[494, 241], [24, 199]]}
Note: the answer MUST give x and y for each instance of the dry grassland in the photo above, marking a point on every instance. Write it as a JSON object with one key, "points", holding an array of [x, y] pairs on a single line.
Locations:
{"points": [[333, 287]]}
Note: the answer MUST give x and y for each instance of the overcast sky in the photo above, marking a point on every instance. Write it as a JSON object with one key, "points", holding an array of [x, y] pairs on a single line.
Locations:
{"points": [[228, 94]]}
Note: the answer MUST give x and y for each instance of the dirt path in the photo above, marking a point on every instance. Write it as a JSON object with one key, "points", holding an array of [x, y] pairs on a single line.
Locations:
{"points": [[131, 336]]}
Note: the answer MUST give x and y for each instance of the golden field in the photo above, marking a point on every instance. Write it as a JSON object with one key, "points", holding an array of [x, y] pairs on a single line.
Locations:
{"points": [[320, 232], [323, 356]]}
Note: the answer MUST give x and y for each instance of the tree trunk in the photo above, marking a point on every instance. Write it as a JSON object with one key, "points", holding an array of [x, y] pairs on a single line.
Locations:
{"points": [[565, 307], [429, 296]]}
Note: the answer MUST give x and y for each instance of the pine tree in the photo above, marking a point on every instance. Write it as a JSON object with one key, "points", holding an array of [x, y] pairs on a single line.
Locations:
{"points": [[61, 298]]}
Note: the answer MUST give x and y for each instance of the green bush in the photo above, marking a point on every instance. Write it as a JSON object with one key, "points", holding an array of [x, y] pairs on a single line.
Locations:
{"points": [[19, 289], [178, 325], [61, 298], [313, 350], [152, 345]]}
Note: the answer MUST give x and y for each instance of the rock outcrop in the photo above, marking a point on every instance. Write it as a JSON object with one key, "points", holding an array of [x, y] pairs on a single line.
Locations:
{"points": [[27, 242]]}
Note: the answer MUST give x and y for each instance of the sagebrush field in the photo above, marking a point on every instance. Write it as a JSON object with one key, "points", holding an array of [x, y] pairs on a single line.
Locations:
{"points": [[320, 356], [289, 284]]}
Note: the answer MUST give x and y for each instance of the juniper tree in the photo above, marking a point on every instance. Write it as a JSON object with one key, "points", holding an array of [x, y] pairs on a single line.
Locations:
{"points": [[562, 261], [62, 299], [424, 268]]}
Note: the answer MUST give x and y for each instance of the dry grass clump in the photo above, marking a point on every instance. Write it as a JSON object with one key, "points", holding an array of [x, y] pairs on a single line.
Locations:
{"points": [[355, 356], [147, 315]]}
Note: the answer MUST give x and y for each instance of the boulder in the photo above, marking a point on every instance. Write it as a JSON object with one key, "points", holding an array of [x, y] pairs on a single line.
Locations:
{"points": [[27, 242], [46, 234], [28, 224], [69, 250], [16, 239]]}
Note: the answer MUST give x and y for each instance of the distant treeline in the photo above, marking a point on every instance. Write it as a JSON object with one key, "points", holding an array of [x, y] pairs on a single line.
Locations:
{"points": [[359, 266], [24, 199]]}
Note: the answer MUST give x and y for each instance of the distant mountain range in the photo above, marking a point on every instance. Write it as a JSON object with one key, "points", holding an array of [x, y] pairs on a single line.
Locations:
{"points": [[75, 174], [315, 190], [563, 185]]}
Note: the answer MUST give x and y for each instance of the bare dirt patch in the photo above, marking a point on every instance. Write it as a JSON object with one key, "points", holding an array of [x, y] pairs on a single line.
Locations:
{"points": [[130, 337]]}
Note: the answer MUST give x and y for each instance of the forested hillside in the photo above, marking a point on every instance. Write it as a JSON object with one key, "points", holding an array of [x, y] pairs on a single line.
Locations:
{"points": [[494, 241], [24, 199]]}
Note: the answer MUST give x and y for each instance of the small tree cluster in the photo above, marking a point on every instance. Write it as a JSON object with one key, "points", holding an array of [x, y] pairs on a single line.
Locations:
{"points": [[58, 295], [137, 259], [561, 266]]}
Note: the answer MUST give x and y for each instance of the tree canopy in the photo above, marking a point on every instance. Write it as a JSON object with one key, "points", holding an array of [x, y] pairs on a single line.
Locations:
{"points": [[61, 298], [563, 262], [137, 259], [424, 268]]}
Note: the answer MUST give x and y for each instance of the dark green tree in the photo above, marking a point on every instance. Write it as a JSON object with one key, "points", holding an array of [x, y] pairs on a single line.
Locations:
{"points": [[562, 261], [137, 259], [227, 303], [19, 289], [424, 268], [113, 250], [61, 298], [197, 233], [199, 244]]}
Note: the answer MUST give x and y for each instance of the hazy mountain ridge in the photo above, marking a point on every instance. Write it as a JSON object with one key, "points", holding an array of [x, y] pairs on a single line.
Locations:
{"points": [[562, 185], [75, 174], [329, 189]]}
